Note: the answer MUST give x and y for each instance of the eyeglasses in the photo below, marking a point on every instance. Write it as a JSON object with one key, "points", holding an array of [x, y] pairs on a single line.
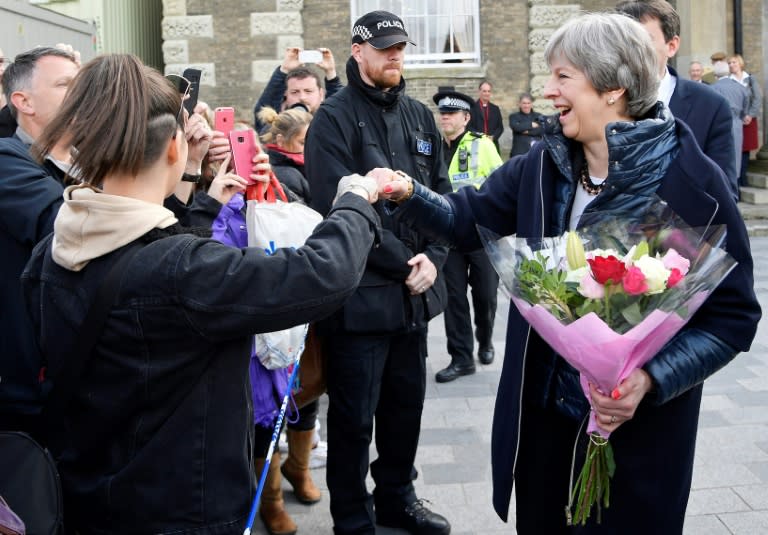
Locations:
{"points": [[184, 86]]}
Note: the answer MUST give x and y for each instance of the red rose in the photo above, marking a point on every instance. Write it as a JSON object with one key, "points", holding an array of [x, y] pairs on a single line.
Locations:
{"points": [[674, 277], [606, 269], [633, 281]]}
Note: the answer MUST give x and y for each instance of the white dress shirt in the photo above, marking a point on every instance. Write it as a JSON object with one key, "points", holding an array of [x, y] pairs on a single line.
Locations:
{"points": [[667, 87]]}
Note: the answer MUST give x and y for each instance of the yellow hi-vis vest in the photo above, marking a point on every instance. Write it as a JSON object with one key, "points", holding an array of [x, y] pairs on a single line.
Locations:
{"points": [[475, 158]]}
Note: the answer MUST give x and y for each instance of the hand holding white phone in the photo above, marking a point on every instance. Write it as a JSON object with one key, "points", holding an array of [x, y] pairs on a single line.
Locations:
{"points": [[310, 56]]}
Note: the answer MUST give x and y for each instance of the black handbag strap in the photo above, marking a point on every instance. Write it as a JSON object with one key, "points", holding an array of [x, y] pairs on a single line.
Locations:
{"points": [[68, 379]]}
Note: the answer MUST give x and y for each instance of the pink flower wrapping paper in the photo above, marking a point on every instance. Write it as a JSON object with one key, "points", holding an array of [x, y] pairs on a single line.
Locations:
{"points": [[607, 298], [602, 356]]}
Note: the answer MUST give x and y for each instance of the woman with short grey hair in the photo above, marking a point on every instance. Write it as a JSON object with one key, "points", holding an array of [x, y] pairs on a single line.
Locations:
{"points": [[611, 148], [612, 51]]}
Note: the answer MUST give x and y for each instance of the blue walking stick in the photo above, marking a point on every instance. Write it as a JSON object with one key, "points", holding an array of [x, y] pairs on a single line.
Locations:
{"points": [[273, 442]]}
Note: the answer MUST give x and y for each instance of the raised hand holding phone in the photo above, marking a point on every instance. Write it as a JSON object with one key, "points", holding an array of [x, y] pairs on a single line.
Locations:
{"points": [[291, 59], [198, 136], [226, 184], [224, 119], [310, 56], [249, 162], [244, 150], [193, 76]]}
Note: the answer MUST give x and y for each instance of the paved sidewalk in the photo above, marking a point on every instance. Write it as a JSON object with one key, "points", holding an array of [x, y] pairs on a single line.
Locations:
{"points": [[730, 483]]}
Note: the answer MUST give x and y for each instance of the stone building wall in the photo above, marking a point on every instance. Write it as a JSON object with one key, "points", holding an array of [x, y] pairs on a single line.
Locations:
{"points": [[753, 28], [238, 47], [753, 41]]}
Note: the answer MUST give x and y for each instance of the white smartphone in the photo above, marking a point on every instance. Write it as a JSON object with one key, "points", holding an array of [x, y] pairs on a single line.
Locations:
{"points": [[310, 56]]}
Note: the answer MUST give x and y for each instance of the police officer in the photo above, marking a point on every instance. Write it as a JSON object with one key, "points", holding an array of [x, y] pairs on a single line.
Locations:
{"points": [[376, 345], [470, 158]]}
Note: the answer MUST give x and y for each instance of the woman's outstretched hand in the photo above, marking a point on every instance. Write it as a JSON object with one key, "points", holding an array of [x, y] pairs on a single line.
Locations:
{"points": [[392, 185]]}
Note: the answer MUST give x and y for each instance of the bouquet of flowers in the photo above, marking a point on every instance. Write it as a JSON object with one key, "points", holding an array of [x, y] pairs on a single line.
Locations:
{"points": [[607, 298]]}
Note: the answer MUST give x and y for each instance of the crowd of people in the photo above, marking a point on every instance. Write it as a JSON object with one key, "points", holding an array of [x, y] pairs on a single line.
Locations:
{"points": [[169, 420], [745, 99]]}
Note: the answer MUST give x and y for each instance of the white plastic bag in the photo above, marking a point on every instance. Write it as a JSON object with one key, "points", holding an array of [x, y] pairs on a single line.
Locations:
{"points": [[272, 224]]}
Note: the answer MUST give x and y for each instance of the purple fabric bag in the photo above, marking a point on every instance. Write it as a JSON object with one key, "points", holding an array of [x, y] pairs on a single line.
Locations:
{"points": [[29, 482], [267, 386], [10, 523]]}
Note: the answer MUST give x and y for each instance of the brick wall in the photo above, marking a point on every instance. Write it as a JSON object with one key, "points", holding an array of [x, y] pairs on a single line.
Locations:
{"points": [[327, 24], [225, 45], [238, 47]]}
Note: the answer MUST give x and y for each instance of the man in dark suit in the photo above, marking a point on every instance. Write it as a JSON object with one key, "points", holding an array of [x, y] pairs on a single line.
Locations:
{"points": [[485, 115], [704, 111], [30, 197]]}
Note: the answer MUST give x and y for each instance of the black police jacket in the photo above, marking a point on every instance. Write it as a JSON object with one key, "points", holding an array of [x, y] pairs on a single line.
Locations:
{"points": [[356, 130]]}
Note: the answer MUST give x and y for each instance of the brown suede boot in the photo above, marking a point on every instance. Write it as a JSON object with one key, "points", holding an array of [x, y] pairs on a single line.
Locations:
{"points": [[296, 466], [272, 509]]}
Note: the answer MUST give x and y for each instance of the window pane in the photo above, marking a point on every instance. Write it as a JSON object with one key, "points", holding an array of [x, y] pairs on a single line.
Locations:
{"points": [[445, 31]]}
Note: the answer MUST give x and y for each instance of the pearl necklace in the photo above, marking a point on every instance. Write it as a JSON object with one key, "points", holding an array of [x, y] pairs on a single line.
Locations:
{"points": [[586, 182]]}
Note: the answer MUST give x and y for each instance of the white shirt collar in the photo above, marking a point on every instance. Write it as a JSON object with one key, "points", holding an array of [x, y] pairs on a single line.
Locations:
{"points": [[743, 81], [23, 136], [667, 87]]}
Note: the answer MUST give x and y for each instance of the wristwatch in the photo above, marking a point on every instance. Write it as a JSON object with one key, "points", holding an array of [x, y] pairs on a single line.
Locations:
{"points": [[188, 177]]}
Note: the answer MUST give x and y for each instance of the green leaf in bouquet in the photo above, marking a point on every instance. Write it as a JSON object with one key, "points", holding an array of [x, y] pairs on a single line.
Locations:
{"points": [[589, 305], [529, 277], [573, 297], [632, 313], [545, 287]]}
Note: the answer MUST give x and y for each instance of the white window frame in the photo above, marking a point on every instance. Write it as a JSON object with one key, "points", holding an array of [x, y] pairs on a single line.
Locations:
{"points": [[417, 18]]}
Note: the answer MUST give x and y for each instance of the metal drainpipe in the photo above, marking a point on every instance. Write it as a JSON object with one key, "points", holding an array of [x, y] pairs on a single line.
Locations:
{"points": [[737, 28]]}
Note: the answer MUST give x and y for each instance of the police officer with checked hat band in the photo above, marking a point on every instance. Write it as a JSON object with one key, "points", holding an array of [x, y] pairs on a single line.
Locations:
{"points": [[470, 158], [376, 345]]}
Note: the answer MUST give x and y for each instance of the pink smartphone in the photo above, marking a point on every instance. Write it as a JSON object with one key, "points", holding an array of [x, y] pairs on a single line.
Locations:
{"points": [[223, 119], [244, 149]]}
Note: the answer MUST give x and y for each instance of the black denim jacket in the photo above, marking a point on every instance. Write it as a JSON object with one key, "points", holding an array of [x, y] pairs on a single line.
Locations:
{"points": [[158, 433]]}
